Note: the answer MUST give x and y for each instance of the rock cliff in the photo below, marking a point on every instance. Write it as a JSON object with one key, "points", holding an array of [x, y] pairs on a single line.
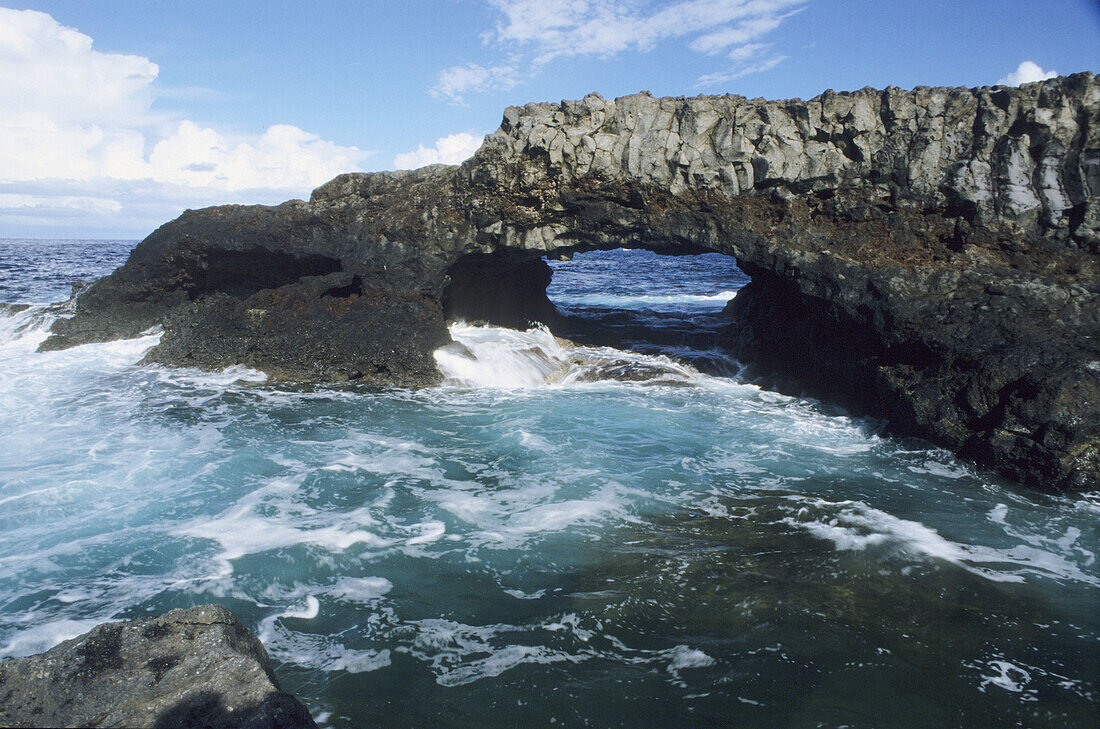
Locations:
{"points": [[930, 256], [188, 668]]}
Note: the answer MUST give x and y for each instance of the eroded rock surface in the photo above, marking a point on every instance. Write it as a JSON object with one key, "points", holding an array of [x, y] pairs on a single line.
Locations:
{"points": [[932, 254], [188, 668]]}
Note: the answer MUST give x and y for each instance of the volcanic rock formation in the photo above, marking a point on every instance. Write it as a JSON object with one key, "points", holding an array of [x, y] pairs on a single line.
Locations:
{"points": [[929, 256], [188, 668]]}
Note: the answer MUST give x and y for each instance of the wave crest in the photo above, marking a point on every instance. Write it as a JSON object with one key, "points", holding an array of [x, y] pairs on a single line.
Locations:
{"points": [[488, 356]]}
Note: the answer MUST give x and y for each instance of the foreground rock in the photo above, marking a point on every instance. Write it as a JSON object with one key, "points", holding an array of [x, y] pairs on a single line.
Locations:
{"points": [[928, 256], [188, 668]]}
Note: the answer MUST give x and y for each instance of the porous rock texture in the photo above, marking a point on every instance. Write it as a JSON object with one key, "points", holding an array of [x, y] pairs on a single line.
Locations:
{"points": [[929, 256], [199, 667]]}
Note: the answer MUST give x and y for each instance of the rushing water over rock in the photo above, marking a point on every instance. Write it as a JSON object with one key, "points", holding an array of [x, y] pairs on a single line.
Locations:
{"points": [[561, 531]]}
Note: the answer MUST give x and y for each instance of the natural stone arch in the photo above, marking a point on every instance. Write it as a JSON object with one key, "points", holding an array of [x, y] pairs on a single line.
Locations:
{"points": [[947, 238]]}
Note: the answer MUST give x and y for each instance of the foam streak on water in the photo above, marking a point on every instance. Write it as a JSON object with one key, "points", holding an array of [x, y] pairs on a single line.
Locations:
{"points": [[558, 533]]}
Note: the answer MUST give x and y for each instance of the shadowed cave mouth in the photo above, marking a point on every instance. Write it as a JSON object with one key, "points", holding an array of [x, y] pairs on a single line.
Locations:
{"points": [[632, 299], [243, 273]]}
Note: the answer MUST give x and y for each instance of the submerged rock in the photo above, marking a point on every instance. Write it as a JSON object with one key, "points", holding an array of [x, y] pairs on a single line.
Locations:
{"points": [[930, 256], [199, 667]]}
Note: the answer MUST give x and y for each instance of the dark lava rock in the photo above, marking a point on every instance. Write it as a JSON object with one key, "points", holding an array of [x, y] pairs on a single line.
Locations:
{"points": [[199, 667], [1015, 390], [929, 256]]}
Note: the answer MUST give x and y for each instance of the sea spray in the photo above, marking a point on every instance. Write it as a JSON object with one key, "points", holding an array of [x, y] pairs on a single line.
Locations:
{"points": [[23, 328], [485, 356], [488, 356], [656, 302]]}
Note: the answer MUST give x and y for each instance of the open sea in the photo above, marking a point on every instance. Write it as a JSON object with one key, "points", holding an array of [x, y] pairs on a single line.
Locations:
{"points": [[621, 533]]}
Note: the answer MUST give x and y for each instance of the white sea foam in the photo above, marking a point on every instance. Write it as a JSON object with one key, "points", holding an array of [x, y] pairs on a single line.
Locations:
{"points": [[487, 356], [360, 589], [835, 435], [310, 611], [461, 654], [646, 301], [76, 595], [571, 623], [1048, 545], [30, 494], [682, 657], [311, 650], [941, 469], [219, 379], [242, 532], [534, 442], [1088, 502], [354, 661], [497, 357], [499, 661], [28, 374], [40, 638], [1007, 676], [430, 531], [23, 331], [509, 518], [28, 377], [854, 526], [271, 517]]}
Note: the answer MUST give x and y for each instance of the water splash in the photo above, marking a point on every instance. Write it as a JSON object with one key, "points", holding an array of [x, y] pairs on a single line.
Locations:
{"points": [[488, 356], [655, 302]]}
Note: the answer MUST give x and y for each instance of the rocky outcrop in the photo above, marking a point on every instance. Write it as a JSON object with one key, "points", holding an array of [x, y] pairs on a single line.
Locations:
{"points": [[188, 668], [932, 253]]}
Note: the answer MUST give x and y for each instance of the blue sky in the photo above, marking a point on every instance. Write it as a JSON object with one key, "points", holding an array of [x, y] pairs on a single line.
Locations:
{"points": [[118, 115]]}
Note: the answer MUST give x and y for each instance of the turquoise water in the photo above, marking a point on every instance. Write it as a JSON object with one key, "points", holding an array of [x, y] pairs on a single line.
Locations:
{"points": [[559, 536]]}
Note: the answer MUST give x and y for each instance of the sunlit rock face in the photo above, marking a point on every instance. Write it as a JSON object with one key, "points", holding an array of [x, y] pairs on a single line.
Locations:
{"points": [[930, 256]]}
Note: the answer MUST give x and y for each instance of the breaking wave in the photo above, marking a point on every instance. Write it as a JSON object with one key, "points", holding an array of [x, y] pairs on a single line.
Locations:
{"points": [[488, 356], [656, 302]]}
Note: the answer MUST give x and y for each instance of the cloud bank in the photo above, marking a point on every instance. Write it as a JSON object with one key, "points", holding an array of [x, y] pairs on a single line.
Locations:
{"points": [[1027, 72], [83, 144], [451, 150], [536, 32]]}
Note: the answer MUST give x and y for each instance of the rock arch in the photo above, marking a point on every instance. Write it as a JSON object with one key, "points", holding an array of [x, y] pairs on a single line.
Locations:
{"points": [[930, 256]]}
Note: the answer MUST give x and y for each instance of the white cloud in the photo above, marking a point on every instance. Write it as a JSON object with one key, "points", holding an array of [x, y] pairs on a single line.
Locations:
{"points": [[109, 207], [282, 158], [713, 79], [1026, 73], [747, 51], [83, 203], [537, 32], [738, 34], [75, 121], [456, 81], [451, 150], [48, 70]]}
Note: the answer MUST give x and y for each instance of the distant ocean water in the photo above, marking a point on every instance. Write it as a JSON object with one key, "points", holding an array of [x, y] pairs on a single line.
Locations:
{"points": [[606, 536], [41, 271]]}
